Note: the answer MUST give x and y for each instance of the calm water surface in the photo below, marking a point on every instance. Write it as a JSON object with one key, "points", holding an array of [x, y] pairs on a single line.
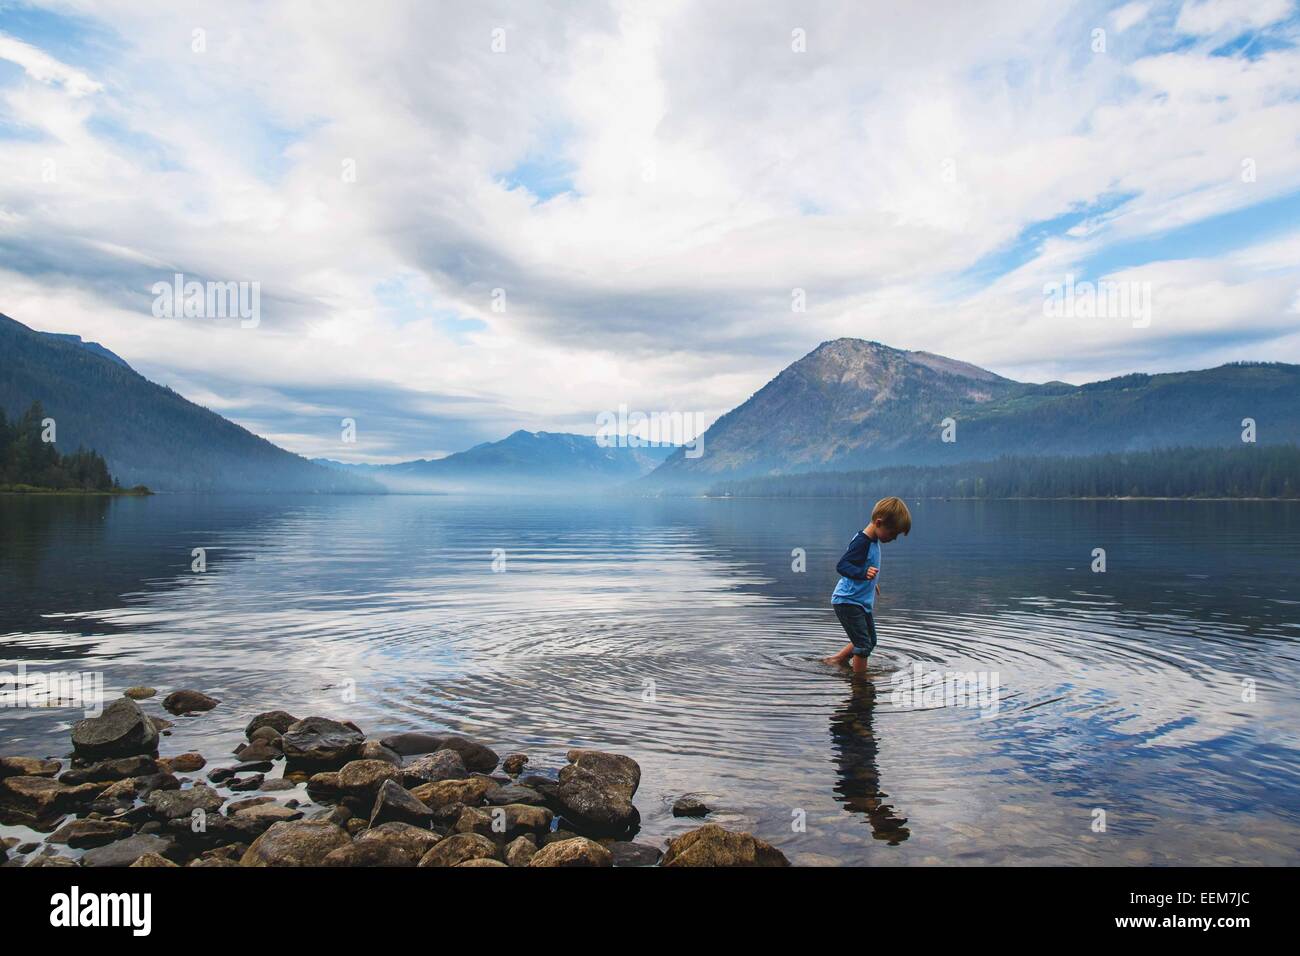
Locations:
{"points": [[678, 632]]}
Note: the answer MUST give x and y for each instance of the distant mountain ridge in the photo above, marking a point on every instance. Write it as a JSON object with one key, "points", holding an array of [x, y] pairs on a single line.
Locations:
{"points": [[521, 462], [854, 404], [147, 433]]}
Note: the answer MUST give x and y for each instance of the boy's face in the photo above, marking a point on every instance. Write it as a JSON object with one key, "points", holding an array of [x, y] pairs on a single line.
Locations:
{"points": [[884, 533]]}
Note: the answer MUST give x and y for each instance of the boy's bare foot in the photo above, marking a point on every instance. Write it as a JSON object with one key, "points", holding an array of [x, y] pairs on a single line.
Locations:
{"points": [[835, 660]]}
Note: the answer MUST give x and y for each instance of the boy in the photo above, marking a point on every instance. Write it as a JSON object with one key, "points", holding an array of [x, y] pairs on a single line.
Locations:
{"points": [[854, 597]]}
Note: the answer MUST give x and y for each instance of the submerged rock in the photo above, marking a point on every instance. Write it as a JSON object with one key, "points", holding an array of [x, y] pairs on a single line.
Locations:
{"points": [[259, 751], [374, 750], [634, 854], [278, 720], [711, 845], [476, 755], [411, 743], [188, 702], [122, 730], [514, 764], [689, 806], [186, 763], [596, 789]]}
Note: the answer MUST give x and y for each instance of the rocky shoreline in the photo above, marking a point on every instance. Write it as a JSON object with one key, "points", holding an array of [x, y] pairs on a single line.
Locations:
{"points": [[404, 799]]}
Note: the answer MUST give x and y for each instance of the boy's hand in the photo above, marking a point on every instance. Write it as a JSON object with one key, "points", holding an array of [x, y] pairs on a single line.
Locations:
{"points": [[872, 572]]}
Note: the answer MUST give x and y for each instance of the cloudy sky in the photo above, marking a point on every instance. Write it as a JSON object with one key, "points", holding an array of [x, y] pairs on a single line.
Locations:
{"points": [[646, 184]]}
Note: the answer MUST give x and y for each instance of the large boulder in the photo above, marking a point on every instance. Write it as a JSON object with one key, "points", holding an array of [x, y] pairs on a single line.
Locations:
{"points": [[711, 845], [123, 729], [188, 702], [125, 852], [363, 778], [28, 767], [299, 843], [431, 768], [576, 852], [80, 834], [513, 793], [268, 813], [369, 853], [113, 769], [520, 851], [174, 804], [595, 792], [505, 822], [396, 805], [320, 743], [43, 797], [470, 792], [413, 841], [459, 848]]}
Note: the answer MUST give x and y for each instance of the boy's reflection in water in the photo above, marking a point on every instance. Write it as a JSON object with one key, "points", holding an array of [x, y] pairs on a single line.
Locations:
{"points": [[855, 747]]}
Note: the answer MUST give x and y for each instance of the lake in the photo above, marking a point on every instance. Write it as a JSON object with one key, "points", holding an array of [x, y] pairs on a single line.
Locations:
{"points": [[1144, 714]]}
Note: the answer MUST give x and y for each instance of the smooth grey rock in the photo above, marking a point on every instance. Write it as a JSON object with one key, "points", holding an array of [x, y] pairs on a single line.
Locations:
{"points": [[121, 730]]}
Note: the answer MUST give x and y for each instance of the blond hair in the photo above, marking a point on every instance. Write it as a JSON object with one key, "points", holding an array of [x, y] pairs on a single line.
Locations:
{"points": [[893, 514]]}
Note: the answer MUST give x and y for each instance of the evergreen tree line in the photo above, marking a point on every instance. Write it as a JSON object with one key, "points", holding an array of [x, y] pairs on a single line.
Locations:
{"points": [[25, 459], [1249, 471]]}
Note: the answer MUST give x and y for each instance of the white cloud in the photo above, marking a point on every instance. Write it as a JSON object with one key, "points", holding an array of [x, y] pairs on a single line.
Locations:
{"points": [[714, 169], [40, 66], [1210, 16], [1129, 15]]}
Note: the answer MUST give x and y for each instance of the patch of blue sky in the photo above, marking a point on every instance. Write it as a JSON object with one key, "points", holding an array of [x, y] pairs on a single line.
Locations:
{"points": [[404, 304], [142, 145], [1027, 245], [1252, 46], [1206, 238], [546, 171], [77, 41]]}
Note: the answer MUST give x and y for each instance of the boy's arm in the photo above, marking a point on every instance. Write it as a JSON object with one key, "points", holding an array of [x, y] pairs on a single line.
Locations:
{"points": [[854, 563]]}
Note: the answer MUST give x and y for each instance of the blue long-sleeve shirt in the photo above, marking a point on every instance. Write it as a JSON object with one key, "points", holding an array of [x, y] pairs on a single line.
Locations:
{"points": [[853, 586]]}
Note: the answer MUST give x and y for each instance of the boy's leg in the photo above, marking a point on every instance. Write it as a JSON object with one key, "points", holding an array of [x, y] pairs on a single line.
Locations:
{"points": [[840, 657], [860, 658], [856, 624]]}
